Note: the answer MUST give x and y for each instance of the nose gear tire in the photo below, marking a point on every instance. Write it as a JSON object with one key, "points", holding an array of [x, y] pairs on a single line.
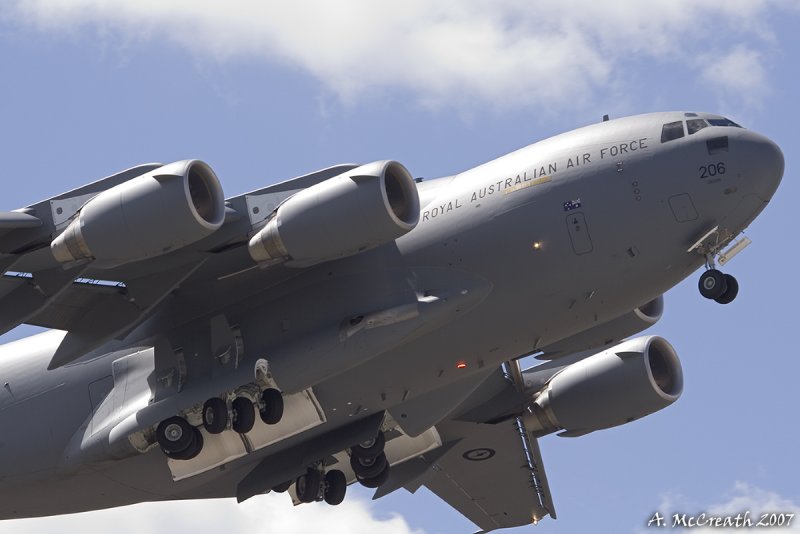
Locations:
{"points": [[731, 290], [712, 284]]}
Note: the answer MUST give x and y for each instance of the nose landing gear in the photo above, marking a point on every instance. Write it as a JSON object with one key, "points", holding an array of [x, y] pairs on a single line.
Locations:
{"points": [[718, 287], [713, 284]]}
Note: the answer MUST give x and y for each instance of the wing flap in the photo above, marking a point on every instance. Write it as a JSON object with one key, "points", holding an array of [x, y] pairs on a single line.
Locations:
{"points": [[94, 319], [36, 289], [25, 296], [493, 475]]}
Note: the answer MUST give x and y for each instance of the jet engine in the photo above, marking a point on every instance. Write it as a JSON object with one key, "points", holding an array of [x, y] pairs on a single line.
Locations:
{"points": [[152, 214], [626, 382], [344, 215]]}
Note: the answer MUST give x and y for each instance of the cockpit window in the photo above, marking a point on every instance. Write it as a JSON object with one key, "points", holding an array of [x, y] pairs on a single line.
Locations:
{"points": [[672, 130], [695, 125], [723, 122]]}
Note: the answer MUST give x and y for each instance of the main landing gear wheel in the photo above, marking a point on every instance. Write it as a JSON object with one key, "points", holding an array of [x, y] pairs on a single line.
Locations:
{"points": [[192, 450], [244, 415], [272, 412], [731, 290], [335, 487], [371, 448], [712, 284], [215, 415], [174, 435], [376, 481], [307, 486], [368, 467], [178, 439]]}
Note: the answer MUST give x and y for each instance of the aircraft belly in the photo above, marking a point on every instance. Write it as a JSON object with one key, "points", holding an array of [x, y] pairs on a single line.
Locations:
{"points": [[513, 321]]}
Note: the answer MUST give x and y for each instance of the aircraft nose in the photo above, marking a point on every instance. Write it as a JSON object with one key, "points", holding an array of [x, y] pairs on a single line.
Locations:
{"points": [[764, 160]]}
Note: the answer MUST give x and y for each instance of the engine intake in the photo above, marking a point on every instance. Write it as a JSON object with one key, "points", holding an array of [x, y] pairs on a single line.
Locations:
{"points": [[631, 380], [344, 215], [160, 211]]}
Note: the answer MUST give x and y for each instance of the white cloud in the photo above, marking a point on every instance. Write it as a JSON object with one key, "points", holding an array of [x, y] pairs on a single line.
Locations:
{"points": [[497, 52], [746, 497], [260, 515], [742, 498], [738, 74]]}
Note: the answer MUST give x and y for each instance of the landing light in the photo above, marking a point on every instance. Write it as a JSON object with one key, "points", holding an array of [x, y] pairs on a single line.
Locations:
{"points": [[537, 245]]}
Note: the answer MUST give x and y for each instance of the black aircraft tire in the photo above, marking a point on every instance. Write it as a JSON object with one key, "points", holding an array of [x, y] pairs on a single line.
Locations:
{"points": [[336, 487], [368, 467], [215, 415], [244, 415], [174, 434], [712, 284], [731, 290], [307, 486], [376, 481], [272, 412], [192, 450], [371, 450]]}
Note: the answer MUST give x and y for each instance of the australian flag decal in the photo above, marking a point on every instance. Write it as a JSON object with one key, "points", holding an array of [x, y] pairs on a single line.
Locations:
{"points": [[570, 205]]}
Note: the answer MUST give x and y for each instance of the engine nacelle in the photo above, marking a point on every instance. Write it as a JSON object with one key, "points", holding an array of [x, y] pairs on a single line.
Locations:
{"points": [[633, 322], [629, 381], [160, 211], [344, 215]]}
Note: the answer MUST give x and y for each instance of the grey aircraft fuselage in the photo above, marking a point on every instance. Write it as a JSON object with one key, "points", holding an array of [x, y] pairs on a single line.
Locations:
{"points": [[523, 251]]}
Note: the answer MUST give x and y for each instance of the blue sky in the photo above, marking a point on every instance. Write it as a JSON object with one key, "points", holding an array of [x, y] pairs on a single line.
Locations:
{"points": [[264, 91]]}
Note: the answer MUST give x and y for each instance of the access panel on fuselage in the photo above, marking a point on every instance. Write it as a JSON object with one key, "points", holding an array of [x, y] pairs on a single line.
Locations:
{"points": [[579, 233]]}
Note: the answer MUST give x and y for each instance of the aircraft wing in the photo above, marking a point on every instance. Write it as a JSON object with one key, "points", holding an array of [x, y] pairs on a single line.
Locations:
{"points": [[492, 473], [96, 305]]}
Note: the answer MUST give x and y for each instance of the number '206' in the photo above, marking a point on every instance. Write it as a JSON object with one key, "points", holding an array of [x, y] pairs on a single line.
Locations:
{"points": [[712, 169]]}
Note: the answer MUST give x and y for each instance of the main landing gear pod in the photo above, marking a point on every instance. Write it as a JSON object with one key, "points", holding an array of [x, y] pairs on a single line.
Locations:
{"points": [[179, 440]]}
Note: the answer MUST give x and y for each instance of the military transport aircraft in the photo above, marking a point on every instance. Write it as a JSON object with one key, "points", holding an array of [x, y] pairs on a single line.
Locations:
{"points": [[355, 325]]}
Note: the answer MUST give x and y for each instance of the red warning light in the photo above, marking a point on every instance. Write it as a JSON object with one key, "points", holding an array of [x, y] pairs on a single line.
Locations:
{"points": [[461, 365]]}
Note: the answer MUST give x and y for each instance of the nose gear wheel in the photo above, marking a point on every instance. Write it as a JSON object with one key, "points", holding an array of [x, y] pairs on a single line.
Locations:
{"points": [[713, 284]]}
